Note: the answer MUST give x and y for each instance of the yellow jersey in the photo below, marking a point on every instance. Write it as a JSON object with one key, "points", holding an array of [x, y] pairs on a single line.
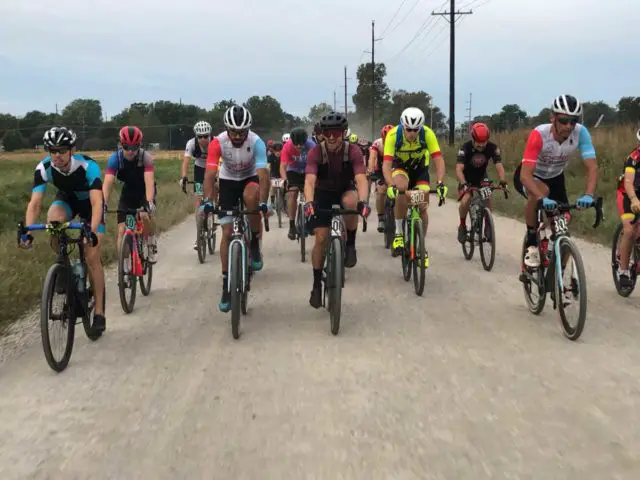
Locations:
{"points": [[411, 153]]}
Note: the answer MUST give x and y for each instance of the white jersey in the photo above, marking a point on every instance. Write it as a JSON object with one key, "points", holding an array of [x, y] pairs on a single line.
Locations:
{"points": [[378, 144], [195, 151], [238, 163]]}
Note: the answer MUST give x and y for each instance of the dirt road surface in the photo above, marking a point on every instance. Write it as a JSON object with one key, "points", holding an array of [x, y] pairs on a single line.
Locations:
{"points": [[463, 383]]}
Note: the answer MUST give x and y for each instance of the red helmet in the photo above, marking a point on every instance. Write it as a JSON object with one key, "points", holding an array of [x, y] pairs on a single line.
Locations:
{"points": [[130, 135], [269, 143], [385, 130], [480, 132]]}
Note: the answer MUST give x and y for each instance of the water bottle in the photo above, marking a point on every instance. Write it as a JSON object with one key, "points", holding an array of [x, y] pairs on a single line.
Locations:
{"points": [[544, 250], [78, 273]]}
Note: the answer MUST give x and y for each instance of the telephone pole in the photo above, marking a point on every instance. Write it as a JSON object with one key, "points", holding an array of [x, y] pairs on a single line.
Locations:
{"points": [[452, 65], [469, 111], [373, 78], [345, 90], [334, 100]]}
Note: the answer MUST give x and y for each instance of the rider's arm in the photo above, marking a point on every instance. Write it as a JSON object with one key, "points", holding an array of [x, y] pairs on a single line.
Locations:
{"points": [[188, 155], [110, 176], [497, 160], [373, 159], [436, 154], [211, 172], [588, 153], [311, 173], [260, 155], [460, 165], [529, 159], [359, 172], [285, 159], [33, 207], [149, 177], [389, 154], [94, 182]]}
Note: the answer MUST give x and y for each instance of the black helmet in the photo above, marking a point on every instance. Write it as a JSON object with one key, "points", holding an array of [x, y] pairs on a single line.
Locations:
{"points": [[299, 136], [334, 120], [57, 137], [276, 146], [317, 129]]}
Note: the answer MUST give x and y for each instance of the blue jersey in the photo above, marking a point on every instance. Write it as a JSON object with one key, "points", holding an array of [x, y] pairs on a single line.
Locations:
{"points": [[296, 161], [83, 175]]}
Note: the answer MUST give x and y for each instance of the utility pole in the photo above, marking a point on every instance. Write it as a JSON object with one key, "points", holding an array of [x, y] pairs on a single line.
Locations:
{"points": [[345, 91], [469, 116], [334, 100], [452, 65], [373, 78]]}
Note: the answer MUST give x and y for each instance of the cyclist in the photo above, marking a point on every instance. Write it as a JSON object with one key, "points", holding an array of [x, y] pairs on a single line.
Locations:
{"points": [[408, 148], [273, 160], [285, 138], [471, 169], [77, 178], [243, 174], [133, 166], [196, 149], [376, 153], [332, 168], [317, 133], [292, 167], [628, 207], [541, 173]]}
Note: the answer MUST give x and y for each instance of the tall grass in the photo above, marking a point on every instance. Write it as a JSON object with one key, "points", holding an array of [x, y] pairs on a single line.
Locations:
{"points": [[612, 145], [22, 271]]}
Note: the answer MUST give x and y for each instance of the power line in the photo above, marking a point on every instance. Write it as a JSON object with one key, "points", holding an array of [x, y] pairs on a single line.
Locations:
{"points": [[384, 30], [413, 7]]}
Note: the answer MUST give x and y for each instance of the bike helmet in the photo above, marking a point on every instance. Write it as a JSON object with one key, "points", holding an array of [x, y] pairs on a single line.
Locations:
{"points": [[276, 147], [286, 137], [353, 138], [57, 137], [384, 131], [237, 117], [412, 118], [317, 129], [334, 121], [202, 128], [480, 132], [299, 136], [567, 104], [130, 135]]}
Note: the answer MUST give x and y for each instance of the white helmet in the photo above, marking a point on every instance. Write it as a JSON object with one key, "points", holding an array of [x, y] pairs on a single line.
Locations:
{"points": [[567, 104], [347, 134], [237, 117], [286, 137], [638, 134], [202, 128], [412, 117]]}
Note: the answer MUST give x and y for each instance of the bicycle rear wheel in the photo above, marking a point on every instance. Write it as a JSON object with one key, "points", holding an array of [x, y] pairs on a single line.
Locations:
{"points": [[57, 346], [389, 224], [418, 257], [487, 239], [201, 235], [235, 288], [533, 284], [615, 263], [147, 269], [469, 243], [126, 279], [336, 262], [574, 289], [87, 318]]}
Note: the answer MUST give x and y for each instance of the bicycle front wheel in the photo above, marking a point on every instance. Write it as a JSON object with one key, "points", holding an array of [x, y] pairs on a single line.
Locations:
{"points": [[211, 233], [406, 259], [336, 269], [487, 240], [201, 235], [147, 269], [235, 288], [418, 257], [301, 233], [389, 224], [468, 245], [573, 290], [127, 281], [57, 329], [615, 263], [533, 284]]}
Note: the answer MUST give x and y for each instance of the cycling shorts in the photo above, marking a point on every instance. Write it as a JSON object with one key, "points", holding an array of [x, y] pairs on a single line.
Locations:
{"points": [[417, 175], [230, 192], [295, 179], [198, 179], [75, 207], [557, 187], [324, 200], [623, 203]]}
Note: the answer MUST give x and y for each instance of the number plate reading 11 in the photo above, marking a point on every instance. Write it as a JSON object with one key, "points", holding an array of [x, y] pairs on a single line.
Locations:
{"points": [[130, 222], [485, 192], [277, 182], [417, 197]]}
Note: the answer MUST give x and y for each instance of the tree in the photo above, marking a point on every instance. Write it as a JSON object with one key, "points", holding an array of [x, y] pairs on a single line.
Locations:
{"points": [[7, 121], [542, 117], [12, 140], [629, 110], [402, 99], [510, 117], [366, 91], [593, 110], [317, 111], [34, 124], [267, 113], [82, 112]]}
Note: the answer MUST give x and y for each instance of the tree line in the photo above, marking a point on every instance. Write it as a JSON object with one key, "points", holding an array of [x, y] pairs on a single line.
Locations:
{"points": [[169, 124]]}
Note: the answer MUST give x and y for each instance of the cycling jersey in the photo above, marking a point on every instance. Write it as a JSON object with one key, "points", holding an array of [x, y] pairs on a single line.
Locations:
{"points": [[195, 151], [239, 163], [378, 144], [83, 175], [476, 161], [295, 158], [549, 157], [412, 154], [632, 165], [336, 173], [274, 162], [130, 172]]}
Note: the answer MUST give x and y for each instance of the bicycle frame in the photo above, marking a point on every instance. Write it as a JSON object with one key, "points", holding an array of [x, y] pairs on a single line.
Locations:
{"points": [[134, 227], [416, 198]]}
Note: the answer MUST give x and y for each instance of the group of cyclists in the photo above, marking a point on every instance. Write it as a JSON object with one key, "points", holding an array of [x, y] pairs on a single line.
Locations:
{"points": [[330, 166]]}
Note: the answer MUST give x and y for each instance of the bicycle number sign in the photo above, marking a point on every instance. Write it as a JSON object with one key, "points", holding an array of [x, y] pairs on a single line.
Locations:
{"points": [[130, 222], [336, 227], [560, 225], [199, 190], [485, 192], [417, 197], [277, 182]]}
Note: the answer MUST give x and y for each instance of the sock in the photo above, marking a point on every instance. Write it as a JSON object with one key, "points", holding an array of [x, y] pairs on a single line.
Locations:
{"points": [[398, 227], [351, 238], [462, 221], [255, 241], [317, 277], [225, 279], [380, 217], [532, 239], [292, 224]]}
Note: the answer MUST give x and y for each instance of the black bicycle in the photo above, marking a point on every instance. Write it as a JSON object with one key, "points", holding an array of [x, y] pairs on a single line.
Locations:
{"points": [[301, 225], [69, 280], [277, 186], [240, 271], [206, 227], [634, 259]]}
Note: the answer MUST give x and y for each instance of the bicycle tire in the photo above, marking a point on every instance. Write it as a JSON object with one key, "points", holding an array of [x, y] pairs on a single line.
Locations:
{"points": [[301, 234], [419, 269], [45, 314], [87, 318], [335, 277], [235, 287], [201, 239], [126, 249], [572, 333], [538, 273], [147, 270], [406, 261], [244, 298], [467, 251], [279, 206], [389, 225], [623, 292], [487, 221], [211, 233]]}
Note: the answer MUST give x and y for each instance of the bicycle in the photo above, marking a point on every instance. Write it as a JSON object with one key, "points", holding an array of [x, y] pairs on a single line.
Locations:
{"points": [[301, 225], [333, 270], [133, 260], [206, 227], [278, 185], [413, 232], [548, 277], [68, 278], [240, 271], [634, 259], [481, 229]]}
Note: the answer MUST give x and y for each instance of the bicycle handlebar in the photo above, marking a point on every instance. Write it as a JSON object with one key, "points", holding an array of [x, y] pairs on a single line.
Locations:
{"points": [[55, 225], [566, 207], [492, 187], [338, 211], [235, 212]]}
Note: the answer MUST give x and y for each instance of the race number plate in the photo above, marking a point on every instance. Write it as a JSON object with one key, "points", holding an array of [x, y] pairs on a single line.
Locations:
{"points": [[130, 222], [417, 197], [199, 190], [277, 182], [485, 192], [560, 225]]}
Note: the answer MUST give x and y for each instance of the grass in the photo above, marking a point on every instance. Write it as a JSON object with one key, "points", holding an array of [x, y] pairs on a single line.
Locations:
{"points": [[612, 144], [22, 271]]}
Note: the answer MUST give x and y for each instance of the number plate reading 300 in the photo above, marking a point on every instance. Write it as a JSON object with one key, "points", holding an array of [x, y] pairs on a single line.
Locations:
{"points": [[277, 182], [417, 197], [130, 222], [560, 225]]}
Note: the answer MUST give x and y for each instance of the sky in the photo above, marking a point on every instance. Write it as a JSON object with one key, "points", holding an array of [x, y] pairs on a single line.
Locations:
{"points": [[200, 52]]}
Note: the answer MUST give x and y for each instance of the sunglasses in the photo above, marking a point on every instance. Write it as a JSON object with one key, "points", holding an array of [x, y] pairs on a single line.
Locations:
{"points": [[412, 129], [567, 120], [131, 148], [332, 133], [61, 150], [236, 133], [200, 137]]}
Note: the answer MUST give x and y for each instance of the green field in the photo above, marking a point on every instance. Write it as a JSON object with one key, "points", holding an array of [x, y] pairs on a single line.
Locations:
{"points": [[22, 271]]}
